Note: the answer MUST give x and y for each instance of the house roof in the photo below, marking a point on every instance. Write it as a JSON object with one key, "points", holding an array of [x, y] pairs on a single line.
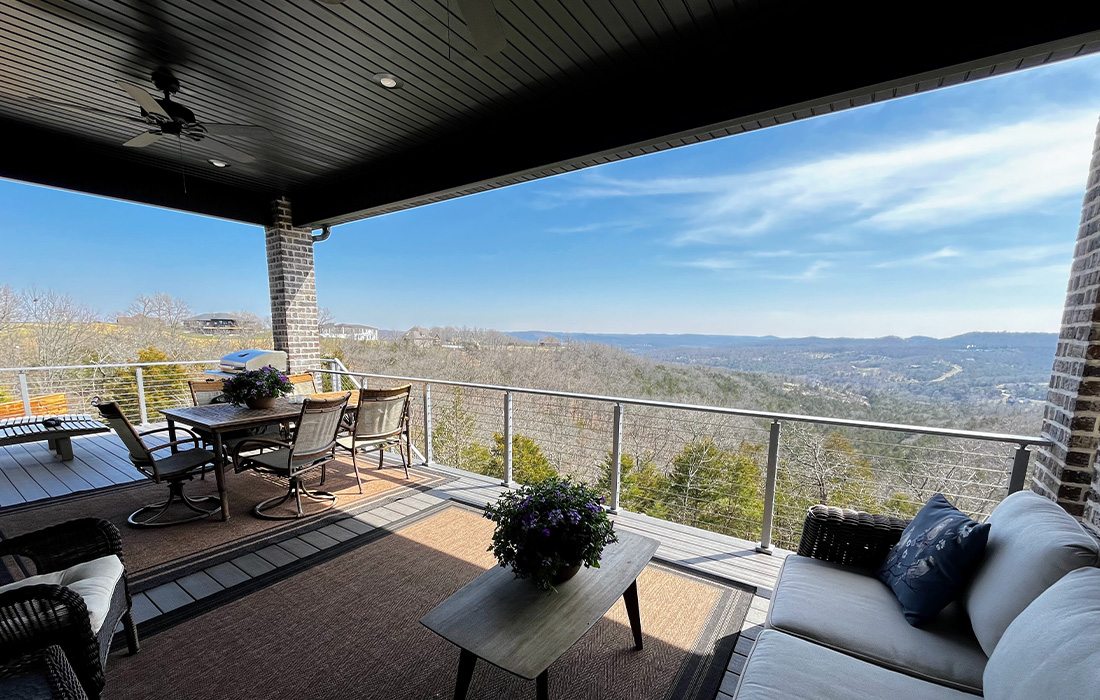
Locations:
{"points": [[575, 85], [216, 315]]}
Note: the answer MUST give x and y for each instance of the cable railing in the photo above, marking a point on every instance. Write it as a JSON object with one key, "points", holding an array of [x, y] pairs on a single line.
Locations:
{"points": [[745, 473], [741, 472]]}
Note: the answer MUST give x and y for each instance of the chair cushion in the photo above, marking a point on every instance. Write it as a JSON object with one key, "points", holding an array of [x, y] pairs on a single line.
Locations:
{"points": [[1052, 648], [933, 559], [782, 666], [94, 581], [183, 461], [1032, 544], [857, 614]]}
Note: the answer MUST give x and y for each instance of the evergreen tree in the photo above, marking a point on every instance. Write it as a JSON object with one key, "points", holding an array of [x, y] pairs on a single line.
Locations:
{"points": [[642, 486], [529, 464]]}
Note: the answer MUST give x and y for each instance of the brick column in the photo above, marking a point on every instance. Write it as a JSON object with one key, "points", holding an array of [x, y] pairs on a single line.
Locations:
{"points": [[1067, 471], [293, 289]]}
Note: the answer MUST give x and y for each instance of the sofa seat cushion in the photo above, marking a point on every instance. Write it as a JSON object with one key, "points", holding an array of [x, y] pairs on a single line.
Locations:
{"points": [[94, 581], [1052, 648], [1032, 543], [782, 666], [857, 614]]}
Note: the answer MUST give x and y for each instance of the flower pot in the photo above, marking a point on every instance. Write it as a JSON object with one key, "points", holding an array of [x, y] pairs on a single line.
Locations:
{"points": [[565, 573], [265, 402]]}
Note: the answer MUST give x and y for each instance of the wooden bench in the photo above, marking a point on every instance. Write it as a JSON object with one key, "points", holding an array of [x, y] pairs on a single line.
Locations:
{"points": [[59, 438]]}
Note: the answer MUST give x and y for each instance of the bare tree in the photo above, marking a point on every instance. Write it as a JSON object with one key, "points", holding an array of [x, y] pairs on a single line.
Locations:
{"points": [[162, 307], [60, 328], [325, 316], [9, 308]]}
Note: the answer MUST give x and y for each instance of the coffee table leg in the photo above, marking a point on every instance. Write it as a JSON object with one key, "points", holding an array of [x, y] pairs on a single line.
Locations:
{"points": [[542, 686], [65, 448], [219, 475], [466, 661], [630, 597]]}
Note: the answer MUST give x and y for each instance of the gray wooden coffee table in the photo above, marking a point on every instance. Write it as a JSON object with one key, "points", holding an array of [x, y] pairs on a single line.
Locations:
{"points": [[516, 627]]}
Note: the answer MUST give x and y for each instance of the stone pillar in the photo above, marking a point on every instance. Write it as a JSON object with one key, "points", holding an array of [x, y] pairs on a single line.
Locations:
{"points": [[293, 289], [1067, 471]]}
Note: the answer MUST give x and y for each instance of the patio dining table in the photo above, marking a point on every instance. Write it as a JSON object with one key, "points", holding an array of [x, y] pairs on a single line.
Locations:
{"points": [[222, 418]]}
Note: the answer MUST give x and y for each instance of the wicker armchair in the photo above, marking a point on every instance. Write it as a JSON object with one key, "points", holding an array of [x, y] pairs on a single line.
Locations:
{"points": [[849, 537], [43, 673], [34, 616]]}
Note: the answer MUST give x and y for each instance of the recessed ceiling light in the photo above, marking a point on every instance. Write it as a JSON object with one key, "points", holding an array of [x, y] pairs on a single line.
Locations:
{"points": [[387, 80], [218, 163]]}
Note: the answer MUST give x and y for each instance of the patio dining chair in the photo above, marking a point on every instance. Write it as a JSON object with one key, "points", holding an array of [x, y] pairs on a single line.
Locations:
{"points": [[304, 383], [173, 469], [381, 421], [311, 447], [206, 392]]}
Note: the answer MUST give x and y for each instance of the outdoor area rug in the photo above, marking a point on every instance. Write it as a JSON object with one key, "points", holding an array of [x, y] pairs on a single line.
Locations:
{"points": [[348, 627], [154, 555]]}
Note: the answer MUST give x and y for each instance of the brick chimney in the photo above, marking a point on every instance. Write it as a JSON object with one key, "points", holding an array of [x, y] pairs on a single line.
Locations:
{"points": [[1067, 471], [293, 289]]}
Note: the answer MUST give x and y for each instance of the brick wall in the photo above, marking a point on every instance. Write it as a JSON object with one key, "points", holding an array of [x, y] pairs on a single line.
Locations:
{"points": [[1067, 471], [293, 289]]}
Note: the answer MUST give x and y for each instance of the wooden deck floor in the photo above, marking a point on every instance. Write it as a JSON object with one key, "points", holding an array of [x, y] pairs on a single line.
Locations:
{"points": [[31, 472]]}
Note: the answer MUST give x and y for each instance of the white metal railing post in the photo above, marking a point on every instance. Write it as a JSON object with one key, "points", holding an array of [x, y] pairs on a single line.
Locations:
{"points": [[769, 489], [428, 456], [507, 439], [616, 456], [142, 412], [1019, 468], [25, 393]]}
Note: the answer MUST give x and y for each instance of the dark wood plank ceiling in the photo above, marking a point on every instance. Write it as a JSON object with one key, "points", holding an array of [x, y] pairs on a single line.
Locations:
{"points": [[579, 82]]}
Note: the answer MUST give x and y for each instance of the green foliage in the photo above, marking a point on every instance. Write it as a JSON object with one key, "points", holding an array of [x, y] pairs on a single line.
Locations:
{"points": [[642, 486], [165, 385], [263, 383], [546, 527], [529, 464], [715, 489]]}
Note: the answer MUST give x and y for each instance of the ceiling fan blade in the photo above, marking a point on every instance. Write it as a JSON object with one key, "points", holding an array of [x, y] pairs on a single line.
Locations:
{"points": [[230, 152], [486, 29], [245, 130], [144, 139], [143, 98]]}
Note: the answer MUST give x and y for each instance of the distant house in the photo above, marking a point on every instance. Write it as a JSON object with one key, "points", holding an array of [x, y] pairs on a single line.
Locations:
{"points": [[219, 323], [549, 342], [349, 331], [420, 337]]}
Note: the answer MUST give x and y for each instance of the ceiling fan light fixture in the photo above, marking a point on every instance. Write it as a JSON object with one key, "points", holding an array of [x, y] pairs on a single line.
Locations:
{"points": [[218, 163], [388, 80]]}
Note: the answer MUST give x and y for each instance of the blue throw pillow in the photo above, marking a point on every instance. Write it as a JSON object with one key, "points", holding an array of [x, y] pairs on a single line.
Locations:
{"points": [[934, 559]]}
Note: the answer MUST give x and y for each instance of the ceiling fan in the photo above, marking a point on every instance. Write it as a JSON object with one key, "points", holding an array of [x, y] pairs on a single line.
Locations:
{"points": [[166, 117]]}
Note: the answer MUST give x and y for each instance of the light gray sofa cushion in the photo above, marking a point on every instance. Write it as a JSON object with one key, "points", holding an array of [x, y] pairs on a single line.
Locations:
{"points": [[1051, 649], [856, 613], [782, 666], [1032, 543]]}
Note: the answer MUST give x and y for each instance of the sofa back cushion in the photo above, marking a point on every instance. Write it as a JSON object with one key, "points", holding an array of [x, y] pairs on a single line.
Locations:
{"points": [[1052, 649], [1032, 543]]}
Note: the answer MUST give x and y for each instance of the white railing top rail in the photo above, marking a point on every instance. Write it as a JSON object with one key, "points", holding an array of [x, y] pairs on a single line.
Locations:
{"points": [[42, 368], [1022, 440]]}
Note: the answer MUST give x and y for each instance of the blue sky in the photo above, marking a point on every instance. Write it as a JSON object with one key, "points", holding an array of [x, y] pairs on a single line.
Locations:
{"points": [[936, 214]]}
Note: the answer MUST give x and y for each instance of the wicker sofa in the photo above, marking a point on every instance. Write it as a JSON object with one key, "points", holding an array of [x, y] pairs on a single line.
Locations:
{"points": [[1024, 628]]}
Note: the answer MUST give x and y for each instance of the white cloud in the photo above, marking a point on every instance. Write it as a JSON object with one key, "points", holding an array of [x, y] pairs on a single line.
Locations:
{"points": [[944, 253], [810, 274], [934, 180]]}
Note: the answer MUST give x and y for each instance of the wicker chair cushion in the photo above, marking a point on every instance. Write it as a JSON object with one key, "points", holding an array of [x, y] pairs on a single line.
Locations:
{"points": [[94, 581], [782, 666], [842, 608], [1051, 649], [934, 559], [1032, 544]]}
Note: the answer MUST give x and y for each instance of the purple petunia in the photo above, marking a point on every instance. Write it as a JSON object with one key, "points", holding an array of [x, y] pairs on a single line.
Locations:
{"points": [[574, 516], [545, 532], [554, 517], [592, 507]]}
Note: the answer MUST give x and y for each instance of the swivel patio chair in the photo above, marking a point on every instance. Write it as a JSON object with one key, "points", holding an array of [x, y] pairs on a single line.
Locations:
{"points": [[381, 421], [312, 446], [304, 384], [173, 469], [76, 595]]}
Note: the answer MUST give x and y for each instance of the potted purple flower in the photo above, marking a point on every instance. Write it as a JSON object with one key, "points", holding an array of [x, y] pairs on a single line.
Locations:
{"points": [[257, 388], [547, 531]]}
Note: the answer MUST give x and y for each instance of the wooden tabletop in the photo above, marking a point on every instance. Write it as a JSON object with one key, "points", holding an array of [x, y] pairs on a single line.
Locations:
{"points": [[226, 416], [512, 624]]}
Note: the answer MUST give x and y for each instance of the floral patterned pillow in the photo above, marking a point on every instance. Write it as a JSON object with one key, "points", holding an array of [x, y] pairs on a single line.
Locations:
{"points": [[934, 560]]}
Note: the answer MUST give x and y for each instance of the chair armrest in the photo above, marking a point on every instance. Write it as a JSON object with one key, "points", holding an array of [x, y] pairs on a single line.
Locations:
{"points": [[52, 665], [175, 443], [38, 616], [256, 442], [849, 537], [177, 429], [60, 546]]}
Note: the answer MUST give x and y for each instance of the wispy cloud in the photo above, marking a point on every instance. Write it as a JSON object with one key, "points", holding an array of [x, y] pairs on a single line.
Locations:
{"points": [[935, 256], [603, 226], [811, 273], [936, 180]]}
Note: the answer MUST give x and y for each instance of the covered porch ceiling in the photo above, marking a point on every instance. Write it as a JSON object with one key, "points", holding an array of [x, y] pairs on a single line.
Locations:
{"points": [[577, 83]]}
